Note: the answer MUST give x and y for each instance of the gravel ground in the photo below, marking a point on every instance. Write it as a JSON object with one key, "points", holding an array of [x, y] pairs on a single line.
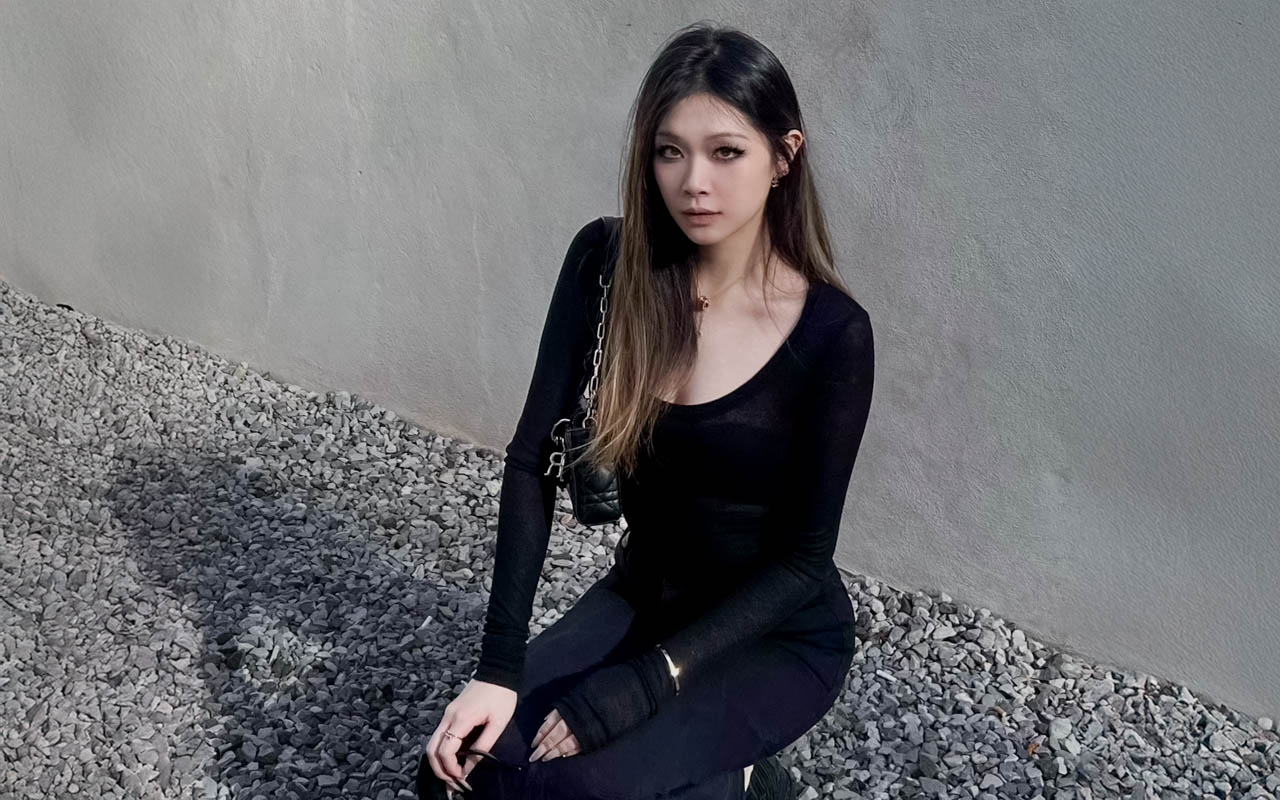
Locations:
{"points": [[219, 585]]}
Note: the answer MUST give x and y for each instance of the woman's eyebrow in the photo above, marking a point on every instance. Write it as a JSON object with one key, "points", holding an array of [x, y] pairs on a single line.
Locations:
{"points": [[721, 134]]}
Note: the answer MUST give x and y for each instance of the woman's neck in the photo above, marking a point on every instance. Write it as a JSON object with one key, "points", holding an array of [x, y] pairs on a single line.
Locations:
{"points": [[738, 259]]}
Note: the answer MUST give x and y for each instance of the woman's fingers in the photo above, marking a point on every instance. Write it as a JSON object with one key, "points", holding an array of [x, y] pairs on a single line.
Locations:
{"points": [[554, 739], [568, 744], [433, 748], [488, 737], [546, 736], [468, 764], [442, 750], [552, 742], [449, 755], [546, 726], [548, 750]]}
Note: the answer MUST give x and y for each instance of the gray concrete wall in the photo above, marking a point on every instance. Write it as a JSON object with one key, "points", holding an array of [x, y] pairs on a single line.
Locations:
{"points": [[1060, 216]]}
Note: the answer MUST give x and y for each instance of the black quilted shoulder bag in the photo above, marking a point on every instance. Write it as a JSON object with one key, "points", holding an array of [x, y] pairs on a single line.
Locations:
{"points": [[593, 491]]}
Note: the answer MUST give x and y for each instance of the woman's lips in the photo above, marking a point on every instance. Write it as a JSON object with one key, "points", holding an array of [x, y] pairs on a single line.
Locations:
{"points": [[701, 217]]}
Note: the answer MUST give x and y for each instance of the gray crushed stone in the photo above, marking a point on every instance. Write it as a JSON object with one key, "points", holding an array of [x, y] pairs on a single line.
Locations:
{"points": [[217, 585]]}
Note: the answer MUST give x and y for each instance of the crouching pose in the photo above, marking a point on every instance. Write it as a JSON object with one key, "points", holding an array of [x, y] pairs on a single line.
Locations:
{"points": [[730, 393]]}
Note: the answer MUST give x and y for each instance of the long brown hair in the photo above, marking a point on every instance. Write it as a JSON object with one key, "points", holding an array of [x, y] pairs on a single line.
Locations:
{"points": [[651, 340]]}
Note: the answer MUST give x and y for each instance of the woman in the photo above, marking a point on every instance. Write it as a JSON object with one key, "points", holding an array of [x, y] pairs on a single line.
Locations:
{"points": [[732, 397]]}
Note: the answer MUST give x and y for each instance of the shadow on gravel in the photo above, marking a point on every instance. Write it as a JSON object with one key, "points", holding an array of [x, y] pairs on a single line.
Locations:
{"points": [[318, 680]]}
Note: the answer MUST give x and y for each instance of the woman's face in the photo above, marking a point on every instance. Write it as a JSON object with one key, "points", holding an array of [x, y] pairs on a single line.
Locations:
{"points": [[708, 157]]}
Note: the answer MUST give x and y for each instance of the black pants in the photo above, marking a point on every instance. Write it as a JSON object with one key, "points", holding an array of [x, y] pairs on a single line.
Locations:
{"points": [[750, 704]]}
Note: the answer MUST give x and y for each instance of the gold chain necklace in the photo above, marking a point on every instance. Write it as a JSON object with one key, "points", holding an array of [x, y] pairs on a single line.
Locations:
{"points": [[703, 301]]}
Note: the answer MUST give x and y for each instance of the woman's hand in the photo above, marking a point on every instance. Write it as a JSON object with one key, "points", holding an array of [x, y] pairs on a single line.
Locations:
{"points": [[612, 700], [479, 703], [554, 739]]}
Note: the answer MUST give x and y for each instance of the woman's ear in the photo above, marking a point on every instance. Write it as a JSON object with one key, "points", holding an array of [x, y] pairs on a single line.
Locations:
{"points": [[794, 140]]}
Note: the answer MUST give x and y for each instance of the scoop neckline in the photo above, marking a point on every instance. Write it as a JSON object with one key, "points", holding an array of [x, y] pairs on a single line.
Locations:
{"points": [[811, 292]]}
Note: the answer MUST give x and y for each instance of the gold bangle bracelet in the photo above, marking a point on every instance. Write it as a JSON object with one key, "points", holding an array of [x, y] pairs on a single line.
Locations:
{"points": [[671, 667]]}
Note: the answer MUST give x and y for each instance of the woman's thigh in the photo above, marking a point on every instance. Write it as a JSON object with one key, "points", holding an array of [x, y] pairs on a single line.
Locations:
{"points": [[599, 628], [749, 704]]}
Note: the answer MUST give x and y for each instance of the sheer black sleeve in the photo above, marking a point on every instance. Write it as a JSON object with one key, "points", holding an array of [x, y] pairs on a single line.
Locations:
{"points": [[527, 498]]}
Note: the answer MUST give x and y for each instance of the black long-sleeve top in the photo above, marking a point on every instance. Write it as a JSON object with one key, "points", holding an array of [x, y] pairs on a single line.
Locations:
{"points": [[732, 517]]}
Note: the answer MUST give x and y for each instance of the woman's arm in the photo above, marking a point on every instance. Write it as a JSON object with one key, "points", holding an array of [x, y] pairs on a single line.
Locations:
{"points": [[527, 498], [613, 699]]}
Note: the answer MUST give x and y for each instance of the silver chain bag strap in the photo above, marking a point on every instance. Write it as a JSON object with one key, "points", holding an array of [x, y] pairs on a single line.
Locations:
{"points": [[593, 491]]}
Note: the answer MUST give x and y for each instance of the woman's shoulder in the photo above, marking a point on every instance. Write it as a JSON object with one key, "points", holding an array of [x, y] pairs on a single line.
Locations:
{"points": [[588, 237], [587, 249], [840, 322], [598, 232], [839, 344]]}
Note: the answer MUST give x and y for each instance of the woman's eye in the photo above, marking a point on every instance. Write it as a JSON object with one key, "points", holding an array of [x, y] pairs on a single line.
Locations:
{"points": [[733, 152]]}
